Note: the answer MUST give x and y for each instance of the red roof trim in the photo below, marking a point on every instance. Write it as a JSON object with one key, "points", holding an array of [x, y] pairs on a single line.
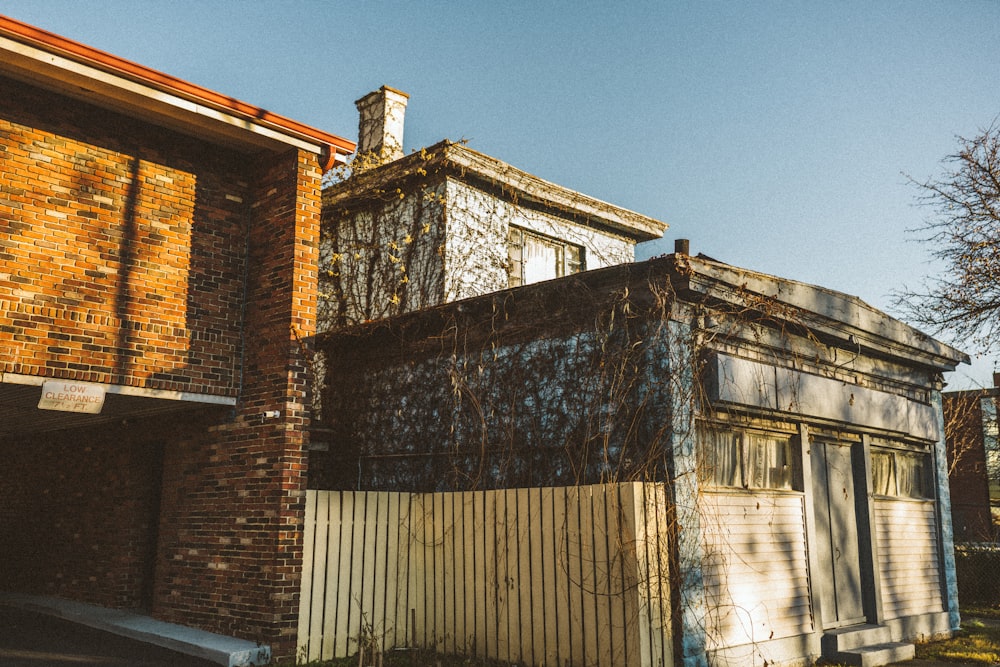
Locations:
{"points": [[51, 42]]}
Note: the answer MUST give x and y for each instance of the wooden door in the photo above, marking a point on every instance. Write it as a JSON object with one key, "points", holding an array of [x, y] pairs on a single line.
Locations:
{"points": [[839, 580]]}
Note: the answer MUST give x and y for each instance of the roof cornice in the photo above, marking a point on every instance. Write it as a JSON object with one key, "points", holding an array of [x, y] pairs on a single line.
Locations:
{"points": [[825, 312], [463, 162], [828, 316]]}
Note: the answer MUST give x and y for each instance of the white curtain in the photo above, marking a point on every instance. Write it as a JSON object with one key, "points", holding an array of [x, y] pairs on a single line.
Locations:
{"points": [[769, 464], [540, 260], [721, 465], [883, 476], [911, 475]]}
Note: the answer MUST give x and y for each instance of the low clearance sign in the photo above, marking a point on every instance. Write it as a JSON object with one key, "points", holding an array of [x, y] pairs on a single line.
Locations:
{"points": [[71, 397]]}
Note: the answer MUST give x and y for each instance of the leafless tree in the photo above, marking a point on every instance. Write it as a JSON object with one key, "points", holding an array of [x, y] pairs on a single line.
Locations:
{"points": [[963, 302]]}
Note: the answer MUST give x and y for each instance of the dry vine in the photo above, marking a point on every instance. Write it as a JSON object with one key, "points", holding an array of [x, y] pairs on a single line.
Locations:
{"points": [[424, 230], [571, 383]]}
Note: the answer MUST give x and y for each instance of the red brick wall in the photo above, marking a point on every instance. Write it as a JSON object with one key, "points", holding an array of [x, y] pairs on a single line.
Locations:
{"points": [[79, 510], [231, 536], [967, 479], [140, 236]]}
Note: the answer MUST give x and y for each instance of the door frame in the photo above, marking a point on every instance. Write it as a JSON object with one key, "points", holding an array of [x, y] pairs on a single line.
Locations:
{"points": [[863, 511], [871, 583]]}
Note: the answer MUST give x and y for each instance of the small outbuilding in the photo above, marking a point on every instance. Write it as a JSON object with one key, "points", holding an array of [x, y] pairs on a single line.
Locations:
{"points": [[794, 433]]}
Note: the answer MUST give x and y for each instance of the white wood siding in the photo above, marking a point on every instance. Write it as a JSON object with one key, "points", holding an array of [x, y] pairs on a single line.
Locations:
{"points": [[908, 557], [549, 576], [756, 569]]}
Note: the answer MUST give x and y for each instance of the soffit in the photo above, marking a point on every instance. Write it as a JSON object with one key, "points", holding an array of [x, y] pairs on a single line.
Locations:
{"points": [[78, 71], [21, 415]]}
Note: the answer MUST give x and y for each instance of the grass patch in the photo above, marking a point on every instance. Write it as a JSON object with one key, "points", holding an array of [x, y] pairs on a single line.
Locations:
{"points": [[981, 612], [978, 643]]}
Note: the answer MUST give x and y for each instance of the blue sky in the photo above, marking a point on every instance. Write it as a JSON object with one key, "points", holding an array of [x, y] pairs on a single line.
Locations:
{"points": [[773, 135]]}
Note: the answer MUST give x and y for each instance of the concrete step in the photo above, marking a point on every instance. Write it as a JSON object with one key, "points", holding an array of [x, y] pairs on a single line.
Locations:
{"points": [[854, 636], [877, 655], [219, 649]]}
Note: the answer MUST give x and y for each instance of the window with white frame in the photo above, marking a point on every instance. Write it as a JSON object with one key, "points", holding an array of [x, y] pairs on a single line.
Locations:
{"points": [[748, 459], [534, 258]]}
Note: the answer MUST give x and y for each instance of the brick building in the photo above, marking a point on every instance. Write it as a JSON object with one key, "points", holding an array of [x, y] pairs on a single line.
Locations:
{"points": [[970, 419], [158, 259]]}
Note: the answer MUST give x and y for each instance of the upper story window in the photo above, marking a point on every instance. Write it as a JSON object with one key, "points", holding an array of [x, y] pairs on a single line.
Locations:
{"points": [[748, 459], [534, 258]]}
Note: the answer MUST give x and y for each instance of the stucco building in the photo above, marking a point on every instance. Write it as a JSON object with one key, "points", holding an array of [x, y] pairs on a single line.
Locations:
{"points": [[406, 232], [796, 433]]}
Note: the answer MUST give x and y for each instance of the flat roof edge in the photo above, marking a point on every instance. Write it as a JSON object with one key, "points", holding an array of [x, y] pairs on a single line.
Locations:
{"points": [[456, 157], [846, 310], [635, 224]]}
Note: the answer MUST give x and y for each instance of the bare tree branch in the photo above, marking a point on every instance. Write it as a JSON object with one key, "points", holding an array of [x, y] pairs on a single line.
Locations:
{"points": [[963, 302]]}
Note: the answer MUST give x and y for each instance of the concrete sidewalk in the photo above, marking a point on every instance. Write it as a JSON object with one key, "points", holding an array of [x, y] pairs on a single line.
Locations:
{"points": [[204, 646]]}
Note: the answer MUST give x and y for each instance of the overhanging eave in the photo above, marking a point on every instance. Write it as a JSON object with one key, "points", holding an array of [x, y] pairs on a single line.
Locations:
{"points": [[81, 72], [20, 394]]}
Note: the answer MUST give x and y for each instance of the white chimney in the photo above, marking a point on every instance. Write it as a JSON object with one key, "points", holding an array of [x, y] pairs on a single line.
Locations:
{"points": [[380, 126]]}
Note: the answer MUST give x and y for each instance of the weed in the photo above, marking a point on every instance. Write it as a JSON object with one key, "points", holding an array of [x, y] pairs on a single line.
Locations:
{"points": [[977, 643]]}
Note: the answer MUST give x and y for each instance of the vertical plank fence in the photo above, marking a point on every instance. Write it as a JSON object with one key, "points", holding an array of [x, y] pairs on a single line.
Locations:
{"points": [[543, 577]]}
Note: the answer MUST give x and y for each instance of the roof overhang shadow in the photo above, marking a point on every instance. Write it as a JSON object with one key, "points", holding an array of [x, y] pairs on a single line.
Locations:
{"points": [[22, 416]]}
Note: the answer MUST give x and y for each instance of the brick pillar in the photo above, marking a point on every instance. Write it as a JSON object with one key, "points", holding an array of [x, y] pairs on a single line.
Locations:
{"points": [[231, 554], [280, 323]]}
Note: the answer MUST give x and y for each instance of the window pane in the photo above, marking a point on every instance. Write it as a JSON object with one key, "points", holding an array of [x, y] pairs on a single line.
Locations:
{"points": [[991, 442], [769, 462], [534, 258], [749, 460], [514, 251], [912, 475], [883, 475], [541, 260], [720, 464], [574, 259]]}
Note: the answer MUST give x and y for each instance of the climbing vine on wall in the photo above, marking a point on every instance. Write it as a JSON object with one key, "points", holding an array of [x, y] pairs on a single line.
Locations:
{"points": [[565, 389], [429, 228]]}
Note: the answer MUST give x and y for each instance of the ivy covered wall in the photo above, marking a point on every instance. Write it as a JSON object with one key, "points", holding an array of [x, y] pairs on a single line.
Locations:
{"points": [[549, 386]]}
